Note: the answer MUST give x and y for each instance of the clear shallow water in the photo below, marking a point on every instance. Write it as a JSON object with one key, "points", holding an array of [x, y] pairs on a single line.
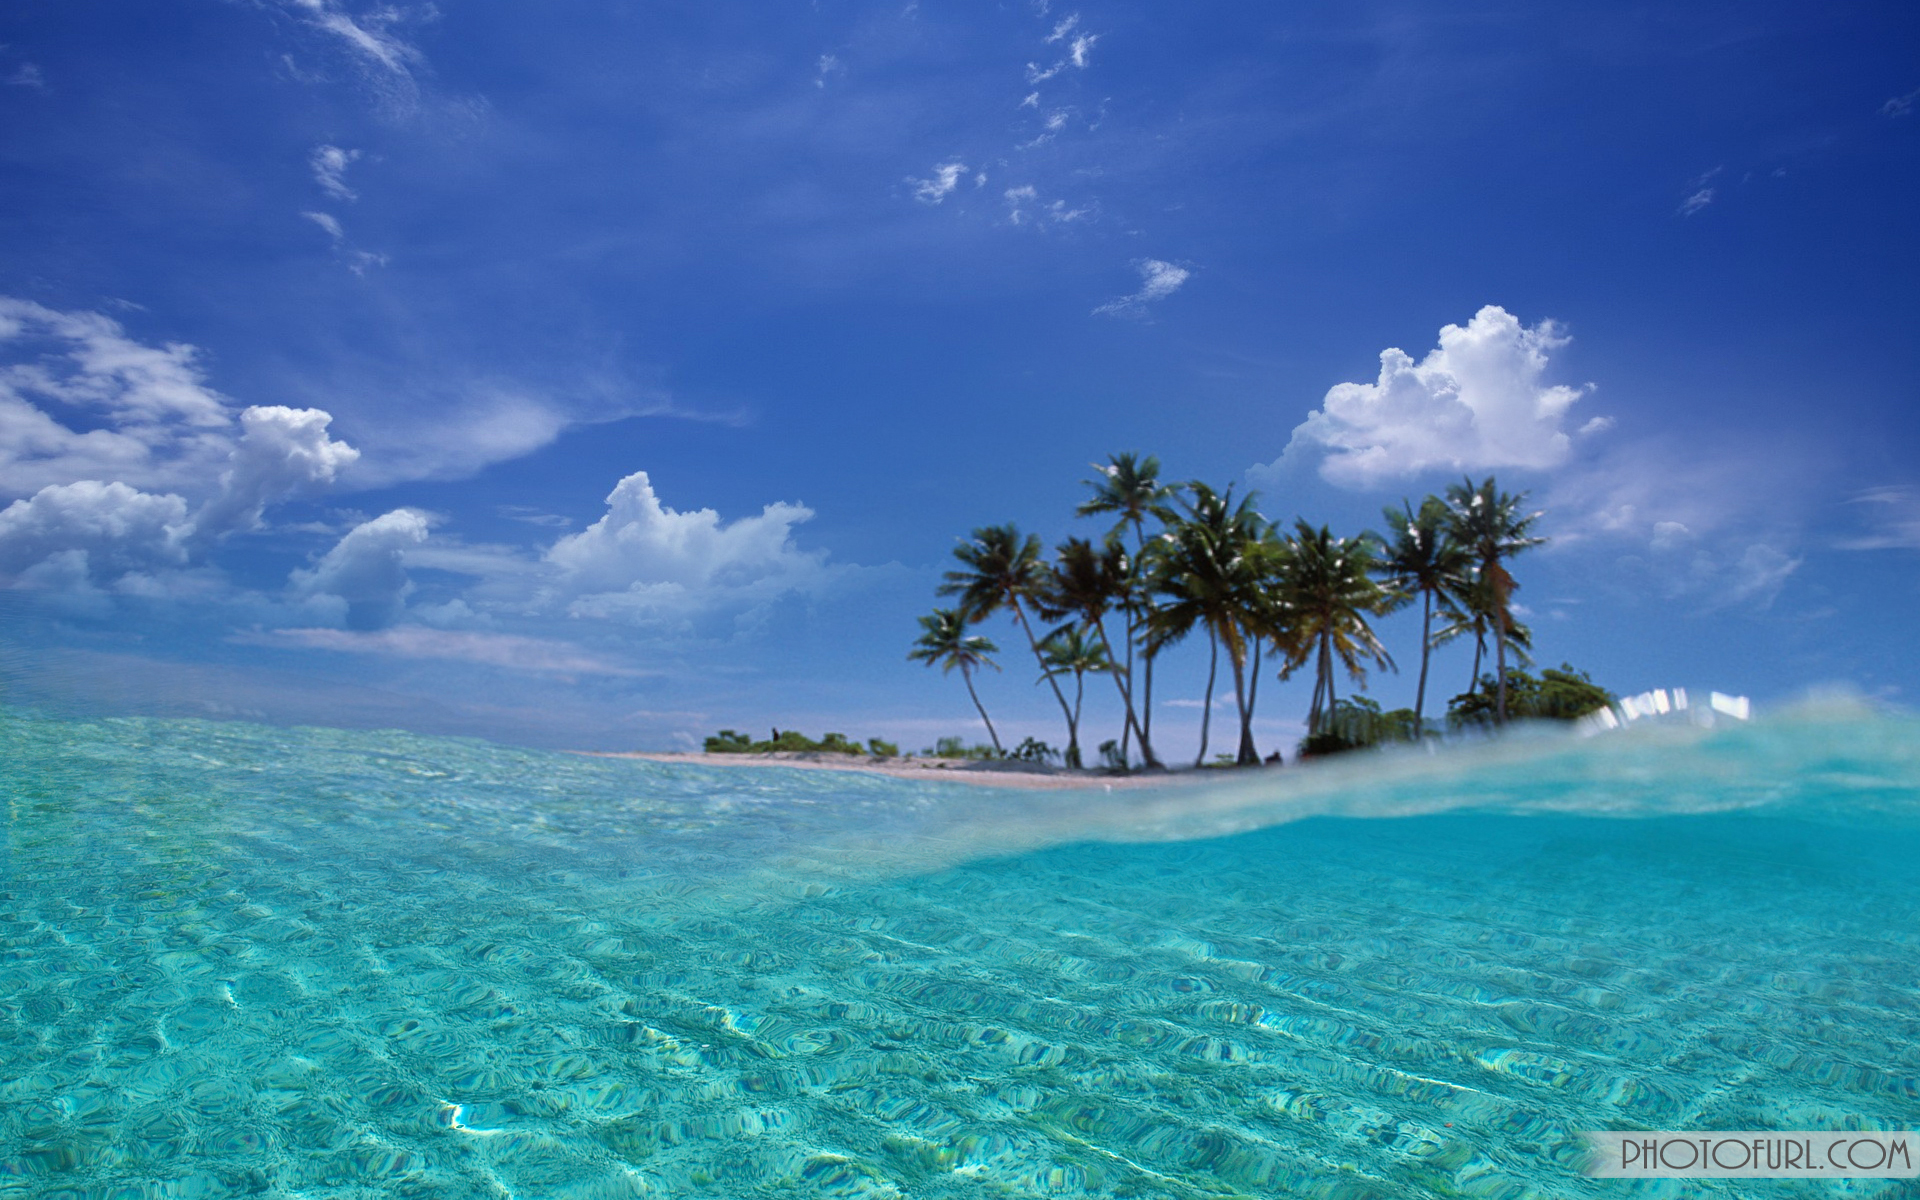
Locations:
{"points": [[247, 961]]}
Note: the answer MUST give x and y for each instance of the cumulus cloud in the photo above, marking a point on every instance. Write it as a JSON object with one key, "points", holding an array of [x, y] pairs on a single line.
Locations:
{"points": [[283, 452], [330, 165], [91, 533], [363, 579], [934, 188], [1475, 402], [1158, 280], [647, 563]]}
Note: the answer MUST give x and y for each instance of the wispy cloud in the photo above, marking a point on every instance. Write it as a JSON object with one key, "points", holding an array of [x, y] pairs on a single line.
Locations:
{"points": [[1063, 29], [330, 223], [26, 75], [370, 36], [1701, 195], [1894, 515], [509, 651], [829, 65], [934, 188], [1901, 106], [330, 165], [1158, 280]]}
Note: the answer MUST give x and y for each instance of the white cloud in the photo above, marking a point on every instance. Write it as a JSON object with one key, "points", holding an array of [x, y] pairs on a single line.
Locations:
{"points": [[330, 165], [328, 222], [92, 532], [944, 179], [647, 563], [1901, 106], [1064, 28], [828, 65], [363, 579], [1476, 402], [1701, 194], [370, 36], [1158, 280], [157, 423], [1081, 45], [282, 452], [1894, 514], [513, 652], [26, 75]]}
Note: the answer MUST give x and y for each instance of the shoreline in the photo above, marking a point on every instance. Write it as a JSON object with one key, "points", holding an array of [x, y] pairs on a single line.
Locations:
{"points": [[956, 770]]}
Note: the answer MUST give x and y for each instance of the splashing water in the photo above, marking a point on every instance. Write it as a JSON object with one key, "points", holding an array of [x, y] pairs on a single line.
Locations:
{"points": [[242, 960]]}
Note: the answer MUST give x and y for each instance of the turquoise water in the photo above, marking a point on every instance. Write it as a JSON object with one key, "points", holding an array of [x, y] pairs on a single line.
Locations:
{"points": [[237, 960]]}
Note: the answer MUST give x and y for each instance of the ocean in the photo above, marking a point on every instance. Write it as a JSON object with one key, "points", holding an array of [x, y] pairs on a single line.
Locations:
{"points": [[241, 960]]}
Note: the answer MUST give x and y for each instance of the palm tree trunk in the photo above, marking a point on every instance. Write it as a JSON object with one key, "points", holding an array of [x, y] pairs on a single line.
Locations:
{"points": [[1426, 649], [1147, 755], [1245, 754], [1253, 680], [1206, 711], [1326, 659], [967, 674], [1126, 730], [1479, 648], [1146, 711], [1125, 685], [1500, 658], [1021, 616], [1073, 729]]}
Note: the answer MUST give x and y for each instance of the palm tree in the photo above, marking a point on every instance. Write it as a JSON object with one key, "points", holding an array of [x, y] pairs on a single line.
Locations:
{"points": [[1130, 487], [1002, 569], [1421, 559], [1489, 526], [944, 640], [1469, 611], [1209, 570], [1327, 586], [1085, 584], [1069, 649]]}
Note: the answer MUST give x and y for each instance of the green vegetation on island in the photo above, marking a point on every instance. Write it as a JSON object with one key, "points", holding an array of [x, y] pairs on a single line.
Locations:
{"points": [[1185, 562], [728, 741]]}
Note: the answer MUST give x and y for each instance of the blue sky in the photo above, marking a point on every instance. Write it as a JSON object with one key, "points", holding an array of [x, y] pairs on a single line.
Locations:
{"points": [[609, 374]]}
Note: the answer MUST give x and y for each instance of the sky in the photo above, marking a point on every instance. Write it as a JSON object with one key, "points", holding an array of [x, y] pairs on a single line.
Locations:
{"points": [[605, 375]]}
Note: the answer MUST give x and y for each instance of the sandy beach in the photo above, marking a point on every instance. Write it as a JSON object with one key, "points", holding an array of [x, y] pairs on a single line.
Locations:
{"points": [[957, 770]]}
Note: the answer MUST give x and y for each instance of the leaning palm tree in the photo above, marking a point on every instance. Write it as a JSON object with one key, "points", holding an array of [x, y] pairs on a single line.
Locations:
{"points": [[1328, 588], [1003, 570], [1085, 585], [1068, 650], [1129, 486], [1422, 560], [1491, 527], [944, 640]]}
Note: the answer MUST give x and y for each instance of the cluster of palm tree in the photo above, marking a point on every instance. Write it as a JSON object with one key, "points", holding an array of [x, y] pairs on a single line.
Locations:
{"points": [[1185, 559]]}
